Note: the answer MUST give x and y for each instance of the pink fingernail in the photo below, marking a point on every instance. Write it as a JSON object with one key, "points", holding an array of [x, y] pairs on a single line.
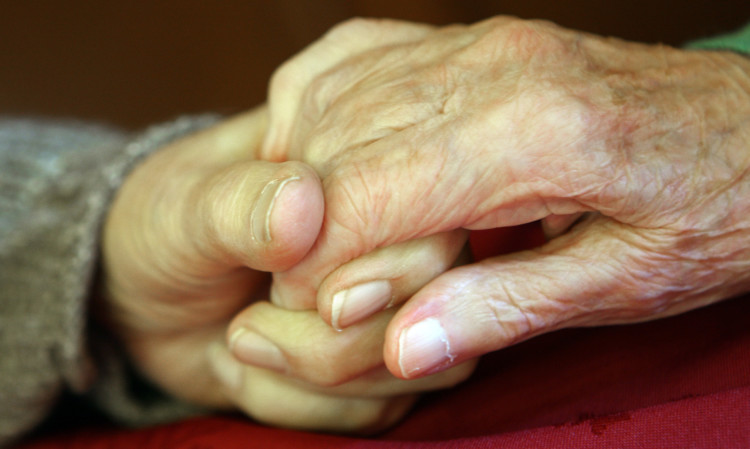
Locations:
{"points": [[423, 347], [352, 305], [252, 348], [260, 218]]}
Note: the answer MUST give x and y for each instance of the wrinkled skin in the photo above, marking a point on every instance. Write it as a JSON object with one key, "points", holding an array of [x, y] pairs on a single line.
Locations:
{"points": [[187, 249], [417, 131]]}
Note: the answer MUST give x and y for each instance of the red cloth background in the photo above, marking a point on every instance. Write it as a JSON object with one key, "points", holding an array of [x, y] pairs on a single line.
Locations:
{"points": [[682, 382]]}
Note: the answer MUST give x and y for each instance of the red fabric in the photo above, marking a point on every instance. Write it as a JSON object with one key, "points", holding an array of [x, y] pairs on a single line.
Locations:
{"points": [[683, 382]]}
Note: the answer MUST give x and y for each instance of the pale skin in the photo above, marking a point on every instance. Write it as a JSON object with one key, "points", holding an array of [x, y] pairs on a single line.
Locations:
{"points": [[418, 131], [419, 134], [188, 245]]}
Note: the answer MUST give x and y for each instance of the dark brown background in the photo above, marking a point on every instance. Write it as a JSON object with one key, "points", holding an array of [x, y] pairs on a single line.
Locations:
{"points": [[133, 63]]}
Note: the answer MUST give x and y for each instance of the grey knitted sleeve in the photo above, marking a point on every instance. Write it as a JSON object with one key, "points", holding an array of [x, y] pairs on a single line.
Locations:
{"points": [[56, 182]]}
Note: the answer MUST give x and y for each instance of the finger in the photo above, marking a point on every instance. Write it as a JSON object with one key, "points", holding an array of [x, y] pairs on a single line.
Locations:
{"points": [[243, 211], [207, 202], [291, 79], [204, 236], [598, 274], [386, 277], [380, 383], [255, 214], [275, 400], [300, 345], [556, 225], [195, 215], [378, 200]]}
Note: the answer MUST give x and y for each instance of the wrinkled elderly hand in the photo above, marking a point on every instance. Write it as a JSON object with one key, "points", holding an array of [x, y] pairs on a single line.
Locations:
{"points": [[186, 251], [418, 131]]}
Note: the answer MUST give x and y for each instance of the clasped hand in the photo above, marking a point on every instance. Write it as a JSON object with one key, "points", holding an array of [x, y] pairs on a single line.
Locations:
{"points": [[634, 157], [188, 247], [417, 131]]}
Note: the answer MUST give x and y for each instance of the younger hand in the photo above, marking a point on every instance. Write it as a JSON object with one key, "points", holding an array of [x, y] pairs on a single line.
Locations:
{"points": [[188, 244], [186, 249]]}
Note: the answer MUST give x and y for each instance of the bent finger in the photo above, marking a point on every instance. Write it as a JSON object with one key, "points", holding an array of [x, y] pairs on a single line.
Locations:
{"points": [[386, 277], [298, 344], [301, 345], [380, 383], [292, 78], [275, 400], [599, 273]]}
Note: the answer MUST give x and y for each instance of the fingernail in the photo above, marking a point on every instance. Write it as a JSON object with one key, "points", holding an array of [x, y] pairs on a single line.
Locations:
{"points": [[358, 302], [253, 348], [225, 367], [423, 347], [260, 219]]}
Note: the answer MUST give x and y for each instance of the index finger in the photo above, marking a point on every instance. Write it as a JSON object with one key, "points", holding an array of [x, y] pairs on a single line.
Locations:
{"points": [[291, 79]]}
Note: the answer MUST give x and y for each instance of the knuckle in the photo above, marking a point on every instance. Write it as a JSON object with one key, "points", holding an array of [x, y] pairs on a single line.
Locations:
{"points": [[528, 35], [317, 98], [515, 311], [291, 169], [352, 200], [322, 146], [655, 278], [340, 360], [285, 80], [350, 28], [510, 315], [325, 370], [271, 410], [527, 41]]}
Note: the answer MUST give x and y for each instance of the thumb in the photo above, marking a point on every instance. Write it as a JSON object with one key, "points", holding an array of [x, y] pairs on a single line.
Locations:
{"points": [[189, 219], [234, 210], [255, 214], [204, 204], [597, 274]]}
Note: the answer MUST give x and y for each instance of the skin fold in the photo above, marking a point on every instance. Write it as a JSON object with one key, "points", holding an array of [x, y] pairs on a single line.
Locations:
{"points": [[187, 250], [506, 122], [383, 145]]}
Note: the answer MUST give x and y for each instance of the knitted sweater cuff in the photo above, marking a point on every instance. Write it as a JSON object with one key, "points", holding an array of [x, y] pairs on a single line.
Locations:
{"points": [[56, 183]]}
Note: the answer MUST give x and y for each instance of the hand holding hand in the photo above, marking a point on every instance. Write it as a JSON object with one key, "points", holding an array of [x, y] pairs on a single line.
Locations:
{"points": [[187, 242], [187, 247]]}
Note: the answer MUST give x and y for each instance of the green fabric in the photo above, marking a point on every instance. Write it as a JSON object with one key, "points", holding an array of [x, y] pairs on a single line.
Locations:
{"points": [[738, 41]]}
